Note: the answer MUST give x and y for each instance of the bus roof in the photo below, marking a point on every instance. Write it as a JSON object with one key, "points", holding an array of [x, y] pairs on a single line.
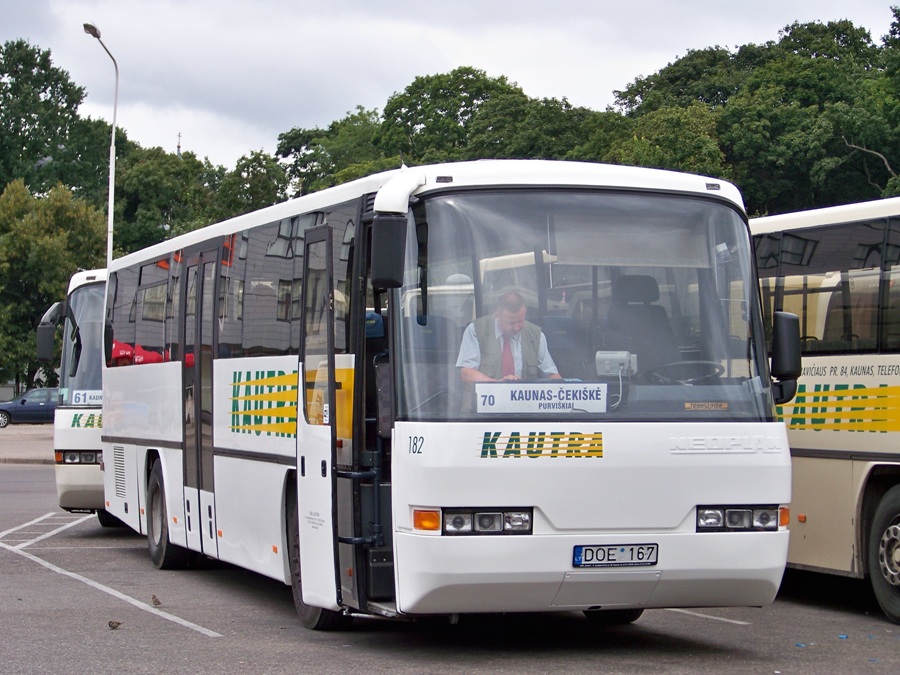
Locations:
{"points": [[84, 277], [402, 183], [879, 208]]}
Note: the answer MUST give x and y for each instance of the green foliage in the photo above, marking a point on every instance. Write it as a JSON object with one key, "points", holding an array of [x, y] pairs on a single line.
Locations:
{"points": [[318, 158], [257, 181], [38, 107], [43, 241], [430, 119]]}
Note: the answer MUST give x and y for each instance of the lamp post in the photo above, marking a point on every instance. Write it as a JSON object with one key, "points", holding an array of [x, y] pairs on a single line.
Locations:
{"points": [[93, 31]]}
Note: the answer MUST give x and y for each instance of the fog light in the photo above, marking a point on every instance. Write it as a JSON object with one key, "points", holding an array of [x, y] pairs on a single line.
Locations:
{"points": [[710, 517], [738, 518], [488, 522], [457, 523], [519, 521], [765, 519]]}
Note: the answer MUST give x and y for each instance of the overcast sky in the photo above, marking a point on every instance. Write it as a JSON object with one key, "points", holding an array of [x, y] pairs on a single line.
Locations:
{"points": [[230, 75]]}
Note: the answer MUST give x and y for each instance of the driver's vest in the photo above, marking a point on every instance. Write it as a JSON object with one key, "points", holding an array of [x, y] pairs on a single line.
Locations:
{"points": [[491, 349]]}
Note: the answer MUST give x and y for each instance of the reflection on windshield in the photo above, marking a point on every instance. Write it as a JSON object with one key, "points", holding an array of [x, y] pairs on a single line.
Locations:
{"points": [[575, 303], [82, 350]]}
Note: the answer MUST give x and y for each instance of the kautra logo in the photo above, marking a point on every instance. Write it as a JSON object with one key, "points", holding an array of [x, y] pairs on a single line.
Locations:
{"points": [[541, 444], [264, 402], [843, 407]]}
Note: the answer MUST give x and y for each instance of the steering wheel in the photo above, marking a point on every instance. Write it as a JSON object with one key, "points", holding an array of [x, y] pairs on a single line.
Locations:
{"points": [[712, 370]]}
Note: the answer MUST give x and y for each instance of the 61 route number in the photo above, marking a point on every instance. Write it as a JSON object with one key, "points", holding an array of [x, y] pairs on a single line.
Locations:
{"points": [[416, 443]]}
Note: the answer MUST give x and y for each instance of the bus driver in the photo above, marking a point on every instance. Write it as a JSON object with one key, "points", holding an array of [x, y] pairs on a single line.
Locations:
{"points": [[504, 346]]}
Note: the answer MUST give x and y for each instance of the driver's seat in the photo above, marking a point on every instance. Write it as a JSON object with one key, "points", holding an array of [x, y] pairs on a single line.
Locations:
{"points": [[636, 325]]}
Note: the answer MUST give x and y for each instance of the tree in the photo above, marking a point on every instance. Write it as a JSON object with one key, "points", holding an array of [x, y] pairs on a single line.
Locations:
{"points": [[256, 181], [429, 121], [318, 157], [680, 139], [38, 107], [158, 192], [512, 125], [43, 241]]}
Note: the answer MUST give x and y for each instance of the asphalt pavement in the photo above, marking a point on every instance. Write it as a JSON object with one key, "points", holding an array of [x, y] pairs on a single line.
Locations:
{"points": [[26, 444]]}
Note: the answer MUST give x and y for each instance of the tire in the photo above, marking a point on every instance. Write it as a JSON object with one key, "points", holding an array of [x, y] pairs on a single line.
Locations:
{"points": [[4, 419], [314, 618], [164, 554], [884, 554], [107, 519], [613, 617]]}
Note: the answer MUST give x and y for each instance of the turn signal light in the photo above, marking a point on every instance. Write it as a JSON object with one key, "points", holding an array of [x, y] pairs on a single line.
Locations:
{"points": [[426, 520]]}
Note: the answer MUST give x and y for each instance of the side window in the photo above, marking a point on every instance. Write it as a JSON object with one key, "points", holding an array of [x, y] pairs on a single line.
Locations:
{"points": [[150, 312], [122, 315], [831, 281], [891, 319], [231, 294], [270, 258], [173, 307]]}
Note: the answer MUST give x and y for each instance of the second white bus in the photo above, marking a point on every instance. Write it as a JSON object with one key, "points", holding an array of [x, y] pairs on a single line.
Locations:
{"points": [[839, 270], [78, 422]]}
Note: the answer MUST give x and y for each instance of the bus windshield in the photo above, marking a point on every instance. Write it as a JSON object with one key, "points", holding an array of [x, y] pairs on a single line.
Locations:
{"points": [[643, 302], [82, 347]]}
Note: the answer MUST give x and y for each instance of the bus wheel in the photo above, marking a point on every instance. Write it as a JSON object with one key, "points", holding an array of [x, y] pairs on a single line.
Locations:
{"points": [[164, 554], [107, 519], [314, 618], [612, 617], [884, 554]]}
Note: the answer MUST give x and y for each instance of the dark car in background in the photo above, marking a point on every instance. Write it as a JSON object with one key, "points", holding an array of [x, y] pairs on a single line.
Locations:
{"points": [[36, 406]]}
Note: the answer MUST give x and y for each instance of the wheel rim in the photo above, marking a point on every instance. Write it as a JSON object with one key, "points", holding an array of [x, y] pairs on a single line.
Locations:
{"points": [[4, 419], [889, 555]]}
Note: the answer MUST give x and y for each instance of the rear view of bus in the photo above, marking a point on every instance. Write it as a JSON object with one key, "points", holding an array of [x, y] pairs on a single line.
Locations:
{"points": [[78, 422]]}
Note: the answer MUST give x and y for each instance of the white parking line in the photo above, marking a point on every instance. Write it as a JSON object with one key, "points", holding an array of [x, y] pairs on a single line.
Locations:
{"points": [[94, 584], [709, 616]]}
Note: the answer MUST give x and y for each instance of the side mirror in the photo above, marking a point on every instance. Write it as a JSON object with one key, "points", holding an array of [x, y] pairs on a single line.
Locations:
{"points": [[46, 331], [786, 361], [46, 341], [388, 250]]}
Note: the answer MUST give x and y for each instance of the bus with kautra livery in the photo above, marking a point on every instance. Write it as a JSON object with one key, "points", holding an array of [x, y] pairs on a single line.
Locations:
{"points": [[78, 420], [300, 409], [838, 269]]}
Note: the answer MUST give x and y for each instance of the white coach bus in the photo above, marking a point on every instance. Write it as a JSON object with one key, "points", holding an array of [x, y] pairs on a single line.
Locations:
{"points": [[838, 269], [78, 421], [293, 415]]}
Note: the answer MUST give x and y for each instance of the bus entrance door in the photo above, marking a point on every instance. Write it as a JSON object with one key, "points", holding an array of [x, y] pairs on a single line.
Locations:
{"points": [[199, 499], [316, 427]]}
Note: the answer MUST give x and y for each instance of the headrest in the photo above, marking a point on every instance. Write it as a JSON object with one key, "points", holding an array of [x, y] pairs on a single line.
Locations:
{"points": [[374, 325], [636, 288]]}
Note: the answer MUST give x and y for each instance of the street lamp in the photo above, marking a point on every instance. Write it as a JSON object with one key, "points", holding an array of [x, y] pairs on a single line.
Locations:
{"points": [[93, 31]]}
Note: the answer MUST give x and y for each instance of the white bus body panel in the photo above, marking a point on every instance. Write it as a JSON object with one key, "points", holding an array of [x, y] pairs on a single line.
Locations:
{"points": [[78, 486], [246, 539], [648, 474]]}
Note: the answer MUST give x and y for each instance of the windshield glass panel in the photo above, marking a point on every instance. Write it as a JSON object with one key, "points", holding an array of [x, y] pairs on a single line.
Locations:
{"points": [[82, 349], [589, 304]]}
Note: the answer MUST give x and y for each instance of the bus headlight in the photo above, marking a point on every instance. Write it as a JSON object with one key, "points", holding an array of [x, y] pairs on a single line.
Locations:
{"points": [[472, 521], [78, 457], [740, 518]]}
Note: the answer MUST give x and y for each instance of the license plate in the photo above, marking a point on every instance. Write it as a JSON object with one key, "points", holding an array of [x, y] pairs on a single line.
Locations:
{"points": [[615, 555]]}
